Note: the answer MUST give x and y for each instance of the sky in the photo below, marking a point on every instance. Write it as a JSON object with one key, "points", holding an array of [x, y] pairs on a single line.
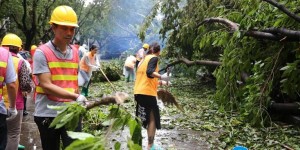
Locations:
{"points": [[87, 1]]}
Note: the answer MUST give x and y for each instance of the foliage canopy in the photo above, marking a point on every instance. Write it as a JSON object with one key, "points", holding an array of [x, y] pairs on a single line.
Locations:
{"points": [[256, 38]]}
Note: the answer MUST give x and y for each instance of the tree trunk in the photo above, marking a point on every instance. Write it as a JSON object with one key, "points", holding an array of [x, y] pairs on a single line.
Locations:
{"points": [[285, 108]]}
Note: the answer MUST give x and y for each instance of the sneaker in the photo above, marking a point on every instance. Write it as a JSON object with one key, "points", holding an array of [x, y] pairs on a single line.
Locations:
{"points": [[240, 148], [20, 147], [155, 147], [25, 113]]}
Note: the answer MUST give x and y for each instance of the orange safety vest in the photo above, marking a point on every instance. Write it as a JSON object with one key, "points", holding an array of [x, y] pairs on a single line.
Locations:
{"points": [[143, 84], [19, 99], [64, 73], [84, 66], [3, 64]]}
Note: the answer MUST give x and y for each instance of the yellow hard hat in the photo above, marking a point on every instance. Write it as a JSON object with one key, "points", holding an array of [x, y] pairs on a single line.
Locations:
{"points": [[64, 15], [146, 46], [11, 39], [33, 47]]}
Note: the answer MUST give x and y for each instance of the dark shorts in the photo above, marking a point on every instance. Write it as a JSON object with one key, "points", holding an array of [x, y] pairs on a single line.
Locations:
{"points": [[146, 104]]}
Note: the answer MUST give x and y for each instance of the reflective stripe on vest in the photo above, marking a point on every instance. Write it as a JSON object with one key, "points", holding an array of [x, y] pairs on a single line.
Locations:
{"points": [[40, 90], [143, 84], [64, 73], [19, 99], [63, 65], [3, 65]]}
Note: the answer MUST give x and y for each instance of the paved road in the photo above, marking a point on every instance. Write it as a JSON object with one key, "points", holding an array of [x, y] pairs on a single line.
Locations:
{"points": [[167, 139], [30, 136]]}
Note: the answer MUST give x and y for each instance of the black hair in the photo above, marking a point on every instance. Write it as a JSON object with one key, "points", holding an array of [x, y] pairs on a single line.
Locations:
{"points": [[93, 47], [13, 49], [154, 47], [77, 42]]}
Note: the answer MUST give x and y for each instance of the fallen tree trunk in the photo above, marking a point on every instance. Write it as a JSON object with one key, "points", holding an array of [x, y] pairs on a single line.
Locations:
{"points": [[285, 108], [118, 98], [102, 101]]}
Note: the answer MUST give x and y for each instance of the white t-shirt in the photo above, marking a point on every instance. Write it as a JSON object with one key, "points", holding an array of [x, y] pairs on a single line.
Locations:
{"points": [[140, 54], [10, 77]]}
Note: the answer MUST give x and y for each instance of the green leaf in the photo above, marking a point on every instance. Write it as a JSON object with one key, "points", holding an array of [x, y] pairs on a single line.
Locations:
{"points": [[58, 108], [237, 34], [79, 135], [117, 146], [133, 146], [107, 122], [209, 127], [117, 124], [135, 130], [58, 118], [284, 68], [90, 143]]}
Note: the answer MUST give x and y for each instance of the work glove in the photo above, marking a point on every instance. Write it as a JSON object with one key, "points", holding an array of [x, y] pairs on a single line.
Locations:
{"points": [[165, 77], [11, 113], [81, 100], [165, 83], [95, 68]]}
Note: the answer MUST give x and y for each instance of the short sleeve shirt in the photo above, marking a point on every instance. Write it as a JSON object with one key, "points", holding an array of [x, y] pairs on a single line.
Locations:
{"points": [[10, 77], [40, 65], [140, 53]]}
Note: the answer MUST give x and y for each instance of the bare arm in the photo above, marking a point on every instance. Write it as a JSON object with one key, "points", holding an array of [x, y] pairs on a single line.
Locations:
{"points": [[51, 89], [155, 75], [12, 94]]}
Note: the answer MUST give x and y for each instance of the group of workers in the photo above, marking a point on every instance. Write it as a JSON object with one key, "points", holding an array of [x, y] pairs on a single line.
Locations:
{"points": [[131, 63], [55, 68], [55, 71], [15, 84]]}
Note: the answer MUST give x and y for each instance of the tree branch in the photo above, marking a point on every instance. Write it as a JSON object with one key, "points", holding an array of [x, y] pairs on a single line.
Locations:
{"points": [[285, 32], [19, 25], [274, 34], [24, 16], [103, 101], [283, 9], [263, 35], [191, 63], [232, 25]]}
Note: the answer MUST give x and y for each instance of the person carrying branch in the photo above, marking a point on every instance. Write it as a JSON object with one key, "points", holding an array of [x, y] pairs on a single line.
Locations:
{"points": [[55, 66], [145, 92]]}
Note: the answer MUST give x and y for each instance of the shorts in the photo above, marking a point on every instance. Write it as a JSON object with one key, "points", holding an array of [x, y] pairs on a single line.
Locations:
{"points": [[146, 104]]}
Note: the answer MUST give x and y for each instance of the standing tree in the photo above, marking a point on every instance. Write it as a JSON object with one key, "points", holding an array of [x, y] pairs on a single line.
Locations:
{"points": [[30, 18], [255, 41]]}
